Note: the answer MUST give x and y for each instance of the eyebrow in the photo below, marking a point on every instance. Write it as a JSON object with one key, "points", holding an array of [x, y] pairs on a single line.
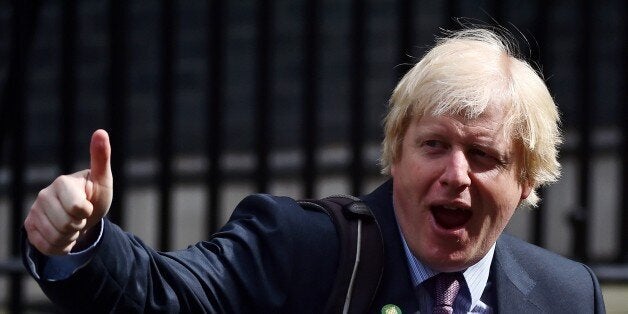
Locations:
{"points": [[482, 139]]}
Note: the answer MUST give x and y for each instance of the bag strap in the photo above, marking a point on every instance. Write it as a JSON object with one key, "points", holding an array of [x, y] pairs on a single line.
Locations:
{"points": [[361, 259]]}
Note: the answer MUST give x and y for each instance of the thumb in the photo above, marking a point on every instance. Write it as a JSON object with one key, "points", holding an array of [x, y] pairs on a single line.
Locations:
{"points": [[99, 186], [100, 159]]}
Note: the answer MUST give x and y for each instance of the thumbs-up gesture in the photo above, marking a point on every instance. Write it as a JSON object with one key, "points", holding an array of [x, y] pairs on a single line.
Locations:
{"points": [[64, 212]]}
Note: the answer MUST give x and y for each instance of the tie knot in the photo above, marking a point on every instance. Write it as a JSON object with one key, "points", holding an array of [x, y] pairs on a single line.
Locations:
{"points": [[446, 286]]}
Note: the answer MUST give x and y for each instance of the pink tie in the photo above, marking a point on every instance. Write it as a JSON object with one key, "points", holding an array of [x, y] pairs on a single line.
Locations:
{"points": [[447, 286]]}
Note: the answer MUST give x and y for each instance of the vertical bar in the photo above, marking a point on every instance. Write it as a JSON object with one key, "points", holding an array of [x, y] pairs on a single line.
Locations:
{"points": [[537, 228], [17, 131], [497, 11], [452, 12], [356, 109], [264, 92], [117, 101], [406, 34], [310, 98], [166, 99], [18, 168], [540, 55], [68, 86], [623, 227], [581, 216], [23, 25], [215, 104]]}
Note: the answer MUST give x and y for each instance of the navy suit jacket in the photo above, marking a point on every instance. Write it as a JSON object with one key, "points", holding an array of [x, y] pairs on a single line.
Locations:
{"points": [[274, 256]]}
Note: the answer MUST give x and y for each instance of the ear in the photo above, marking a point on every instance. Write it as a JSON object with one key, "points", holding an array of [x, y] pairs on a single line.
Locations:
{"points": [[392, 169], [526, 189]]}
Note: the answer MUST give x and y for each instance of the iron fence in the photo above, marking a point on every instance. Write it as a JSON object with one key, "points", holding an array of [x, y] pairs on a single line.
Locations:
{"points": [[87, 54]]}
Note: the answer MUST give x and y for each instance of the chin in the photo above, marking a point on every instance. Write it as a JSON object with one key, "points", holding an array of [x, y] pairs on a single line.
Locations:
{"points": [[450, 262]]}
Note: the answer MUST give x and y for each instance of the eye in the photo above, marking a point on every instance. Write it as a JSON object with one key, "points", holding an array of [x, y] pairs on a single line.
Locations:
{"points": [[480, 153], [485, 159], [433, 144]]}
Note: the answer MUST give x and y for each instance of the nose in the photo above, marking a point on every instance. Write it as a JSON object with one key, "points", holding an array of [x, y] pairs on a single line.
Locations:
{"points": [[455, 176]]}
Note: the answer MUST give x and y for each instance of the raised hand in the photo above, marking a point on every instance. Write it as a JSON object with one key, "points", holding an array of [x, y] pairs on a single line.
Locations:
{"points": [[64, 212]]}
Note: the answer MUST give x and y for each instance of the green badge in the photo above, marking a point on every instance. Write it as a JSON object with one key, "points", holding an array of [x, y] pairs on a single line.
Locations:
{"points": [[391, 309]]}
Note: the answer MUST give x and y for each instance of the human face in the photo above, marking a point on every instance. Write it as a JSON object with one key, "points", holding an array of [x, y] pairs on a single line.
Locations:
{"points": [[455, 187]]}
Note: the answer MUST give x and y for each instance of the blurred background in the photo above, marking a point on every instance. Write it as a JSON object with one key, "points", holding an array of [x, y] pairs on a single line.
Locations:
{"points": [[208, 101]]}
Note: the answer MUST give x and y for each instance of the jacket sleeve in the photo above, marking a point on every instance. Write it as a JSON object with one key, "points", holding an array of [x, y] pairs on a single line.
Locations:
{"points": [[267, 258]]}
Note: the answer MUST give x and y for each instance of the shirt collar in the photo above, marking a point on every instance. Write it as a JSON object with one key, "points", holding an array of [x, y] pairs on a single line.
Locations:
{"points": [[476, 276]]}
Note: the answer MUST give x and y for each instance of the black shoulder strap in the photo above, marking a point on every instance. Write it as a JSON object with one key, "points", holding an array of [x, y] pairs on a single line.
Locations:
{"points": [[361, 259]]}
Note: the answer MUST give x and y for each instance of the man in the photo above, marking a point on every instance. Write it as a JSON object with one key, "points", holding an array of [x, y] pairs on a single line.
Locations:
{"points": [[471, 132]]}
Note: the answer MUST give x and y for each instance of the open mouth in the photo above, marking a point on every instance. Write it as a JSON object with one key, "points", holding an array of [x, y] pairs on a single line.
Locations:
{"points": [[449, 217]]}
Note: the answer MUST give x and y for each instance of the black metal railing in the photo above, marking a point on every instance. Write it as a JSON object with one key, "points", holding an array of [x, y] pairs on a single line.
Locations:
{"points": [[16, 110]]}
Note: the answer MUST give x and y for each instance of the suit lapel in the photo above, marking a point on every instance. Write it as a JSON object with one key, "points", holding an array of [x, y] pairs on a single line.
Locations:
{"points": [[513, 286], [396, 285]]}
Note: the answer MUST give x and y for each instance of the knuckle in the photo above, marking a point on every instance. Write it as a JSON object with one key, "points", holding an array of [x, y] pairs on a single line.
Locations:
{"points": [[43, 197], [63, 178], [43, 193], [47, 191], [29, 225], [59, 182], [34, 208]]}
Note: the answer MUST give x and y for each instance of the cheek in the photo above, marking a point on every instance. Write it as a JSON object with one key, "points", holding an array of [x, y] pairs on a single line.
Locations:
{"points": [[502, 188], [409, 178], [500, 218], [498, 224], [500, 196], [502, 215]]}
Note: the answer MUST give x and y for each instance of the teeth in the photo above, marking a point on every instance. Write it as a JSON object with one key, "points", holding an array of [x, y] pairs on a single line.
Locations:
{"points": [[451, 207]]}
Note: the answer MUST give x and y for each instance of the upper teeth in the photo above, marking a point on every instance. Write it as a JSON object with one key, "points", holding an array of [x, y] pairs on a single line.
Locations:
{"points": [[450, 207]]}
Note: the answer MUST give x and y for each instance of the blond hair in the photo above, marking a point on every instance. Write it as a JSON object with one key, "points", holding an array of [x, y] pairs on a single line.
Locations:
{"points": [[464, 73]]}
